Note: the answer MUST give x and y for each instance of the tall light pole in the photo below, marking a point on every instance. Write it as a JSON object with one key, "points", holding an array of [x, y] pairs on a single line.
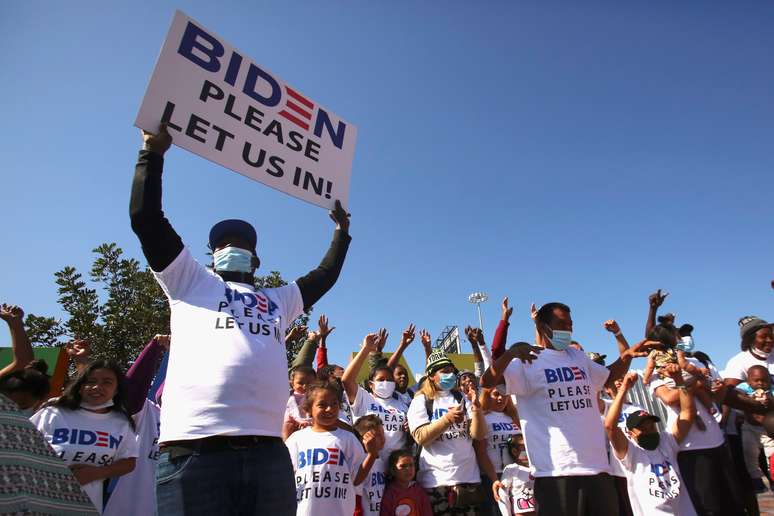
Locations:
{"points": [[477, 298]]}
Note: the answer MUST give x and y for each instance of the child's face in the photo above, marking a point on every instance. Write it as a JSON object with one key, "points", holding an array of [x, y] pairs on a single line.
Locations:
{"points": [[325, 409], [300, 381], [498, 400], [758, 380], [519, 452], [404, 469], [401, 378]]}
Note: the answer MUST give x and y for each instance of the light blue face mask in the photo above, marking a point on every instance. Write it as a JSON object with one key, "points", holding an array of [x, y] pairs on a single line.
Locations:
{"points": [[448, 381], [561, 340], [233, 259], [686, 344]]}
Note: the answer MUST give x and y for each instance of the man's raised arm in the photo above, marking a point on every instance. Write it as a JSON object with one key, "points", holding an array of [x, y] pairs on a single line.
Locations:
{"points": [[160, 243], [319, 281]]}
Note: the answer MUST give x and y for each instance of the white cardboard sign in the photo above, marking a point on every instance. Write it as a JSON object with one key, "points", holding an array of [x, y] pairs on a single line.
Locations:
{"points": [[221, 105]]}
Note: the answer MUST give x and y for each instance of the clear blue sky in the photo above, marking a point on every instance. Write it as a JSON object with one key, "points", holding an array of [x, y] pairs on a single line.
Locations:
{"points": [[588, 153]]}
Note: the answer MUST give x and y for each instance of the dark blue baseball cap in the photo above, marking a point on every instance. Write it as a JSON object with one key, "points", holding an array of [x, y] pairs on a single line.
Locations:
{"points": [[233, 227]]}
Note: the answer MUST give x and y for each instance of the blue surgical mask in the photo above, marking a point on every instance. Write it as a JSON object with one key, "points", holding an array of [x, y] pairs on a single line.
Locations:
{"points": [[448, 381], [686, 344], [233, 259], [561, 340]]}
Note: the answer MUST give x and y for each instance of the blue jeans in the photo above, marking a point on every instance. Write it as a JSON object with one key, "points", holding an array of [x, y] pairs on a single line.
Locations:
{"points": [[254, 480]]}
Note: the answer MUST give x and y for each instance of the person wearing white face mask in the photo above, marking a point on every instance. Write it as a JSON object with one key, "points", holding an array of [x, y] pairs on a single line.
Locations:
{"points": [[556, 387], [384, 402], [225, 392], [445, 423]]}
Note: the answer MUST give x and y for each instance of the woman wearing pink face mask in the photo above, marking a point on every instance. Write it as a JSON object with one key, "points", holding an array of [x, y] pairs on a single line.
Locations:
{"points": [[502, 424]]}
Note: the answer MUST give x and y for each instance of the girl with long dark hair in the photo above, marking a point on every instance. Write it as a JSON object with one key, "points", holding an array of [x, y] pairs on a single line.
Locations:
{"points": [[90, 428]]}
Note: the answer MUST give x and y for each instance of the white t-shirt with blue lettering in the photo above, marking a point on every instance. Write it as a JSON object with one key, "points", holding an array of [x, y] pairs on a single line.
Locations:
{"points": [[450, 459], [653, 478], [227, 372], [499, 427], [557, 401], [81, 437], [372, 489], [325, 466], [124, 500]]}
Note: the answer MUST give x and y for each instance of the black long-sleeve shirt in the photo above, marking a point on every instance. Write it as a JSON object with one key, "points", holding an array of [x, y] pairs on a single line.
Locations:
{"points": [[161, 244]]}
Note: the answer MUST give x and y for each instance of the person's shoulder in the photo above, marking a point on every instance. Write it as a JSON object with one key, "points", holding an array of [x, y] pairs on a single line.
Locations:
{"points": [[738, 359]]}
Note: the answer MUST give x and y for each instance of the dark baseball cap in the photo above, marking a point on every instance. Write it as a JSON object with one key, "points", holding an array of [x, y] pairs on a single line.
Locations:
{"points": [[751, 323], [636, 418], [233, 227]]}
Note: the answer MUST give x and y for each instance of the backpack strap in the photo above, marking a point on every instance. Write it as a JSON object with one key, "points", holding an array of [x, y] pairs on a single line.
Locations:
{"points": [[429, 408]]}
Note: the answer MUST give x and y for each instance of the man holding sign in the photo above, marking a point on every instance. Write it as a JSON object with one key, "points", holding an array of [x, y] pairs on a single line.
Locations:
{"points": [[226, 385]]}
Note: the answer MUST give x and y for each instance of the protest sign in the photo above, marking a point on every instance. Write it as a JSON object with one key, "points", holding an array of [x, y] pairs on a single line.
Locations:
{"points": [[219, 104]]}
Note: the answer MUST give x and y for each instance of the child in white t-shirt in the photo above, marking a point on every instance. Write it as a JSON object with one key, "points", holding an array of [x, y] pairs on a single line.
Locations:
{"points": [[369, 496], [329, 461], [90, 429], [514, 492], [649, 457], [296, 417]]}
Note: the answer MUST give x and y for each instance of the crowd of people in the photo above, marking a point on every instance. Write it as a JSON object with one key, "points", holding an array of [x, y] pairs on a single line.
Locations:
{"points": [[213, 420]]}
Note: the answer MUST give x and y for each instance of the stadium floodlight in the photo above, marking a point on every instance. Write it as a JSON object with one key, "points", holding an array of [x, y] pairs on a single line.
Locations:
{"points": [[477, 298]]}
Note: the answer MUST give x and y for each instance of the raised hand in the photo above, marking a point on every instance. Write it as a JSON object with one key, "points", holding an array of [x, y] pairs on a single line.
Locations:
{"points": [[472, 396], [506, 311], [324, 330], [427, 341], [533, 311], [525, 352], [455, 415], [163, 340], [373, 442], [473, 334], [340, 216], [408, 335], [295, 333], [370, 343], [382, 339], [79, 350], [629, 380], [158, 143], [642, 349], [612, 326], [673, 371], [656, 299], [11, 313]]}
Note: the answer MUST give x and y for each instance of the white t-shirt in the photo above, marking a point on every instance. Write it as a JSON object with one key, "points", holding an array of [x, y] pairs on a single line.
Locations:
{"points": [[372, 489], [615, 466], [653, 477], [88, 438], [739, 364], [557, 395], [124, 500], [696, 439], [406, 397], [227, 372], [450, 459], [325, 465], [518, 496], [391, 411], [499, 427]]}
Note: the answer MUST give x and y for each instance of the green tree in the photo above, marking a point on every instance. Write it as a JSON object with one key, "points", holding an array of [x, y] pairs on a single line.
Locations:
{"points": [[120, 309], [118, 313]]}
